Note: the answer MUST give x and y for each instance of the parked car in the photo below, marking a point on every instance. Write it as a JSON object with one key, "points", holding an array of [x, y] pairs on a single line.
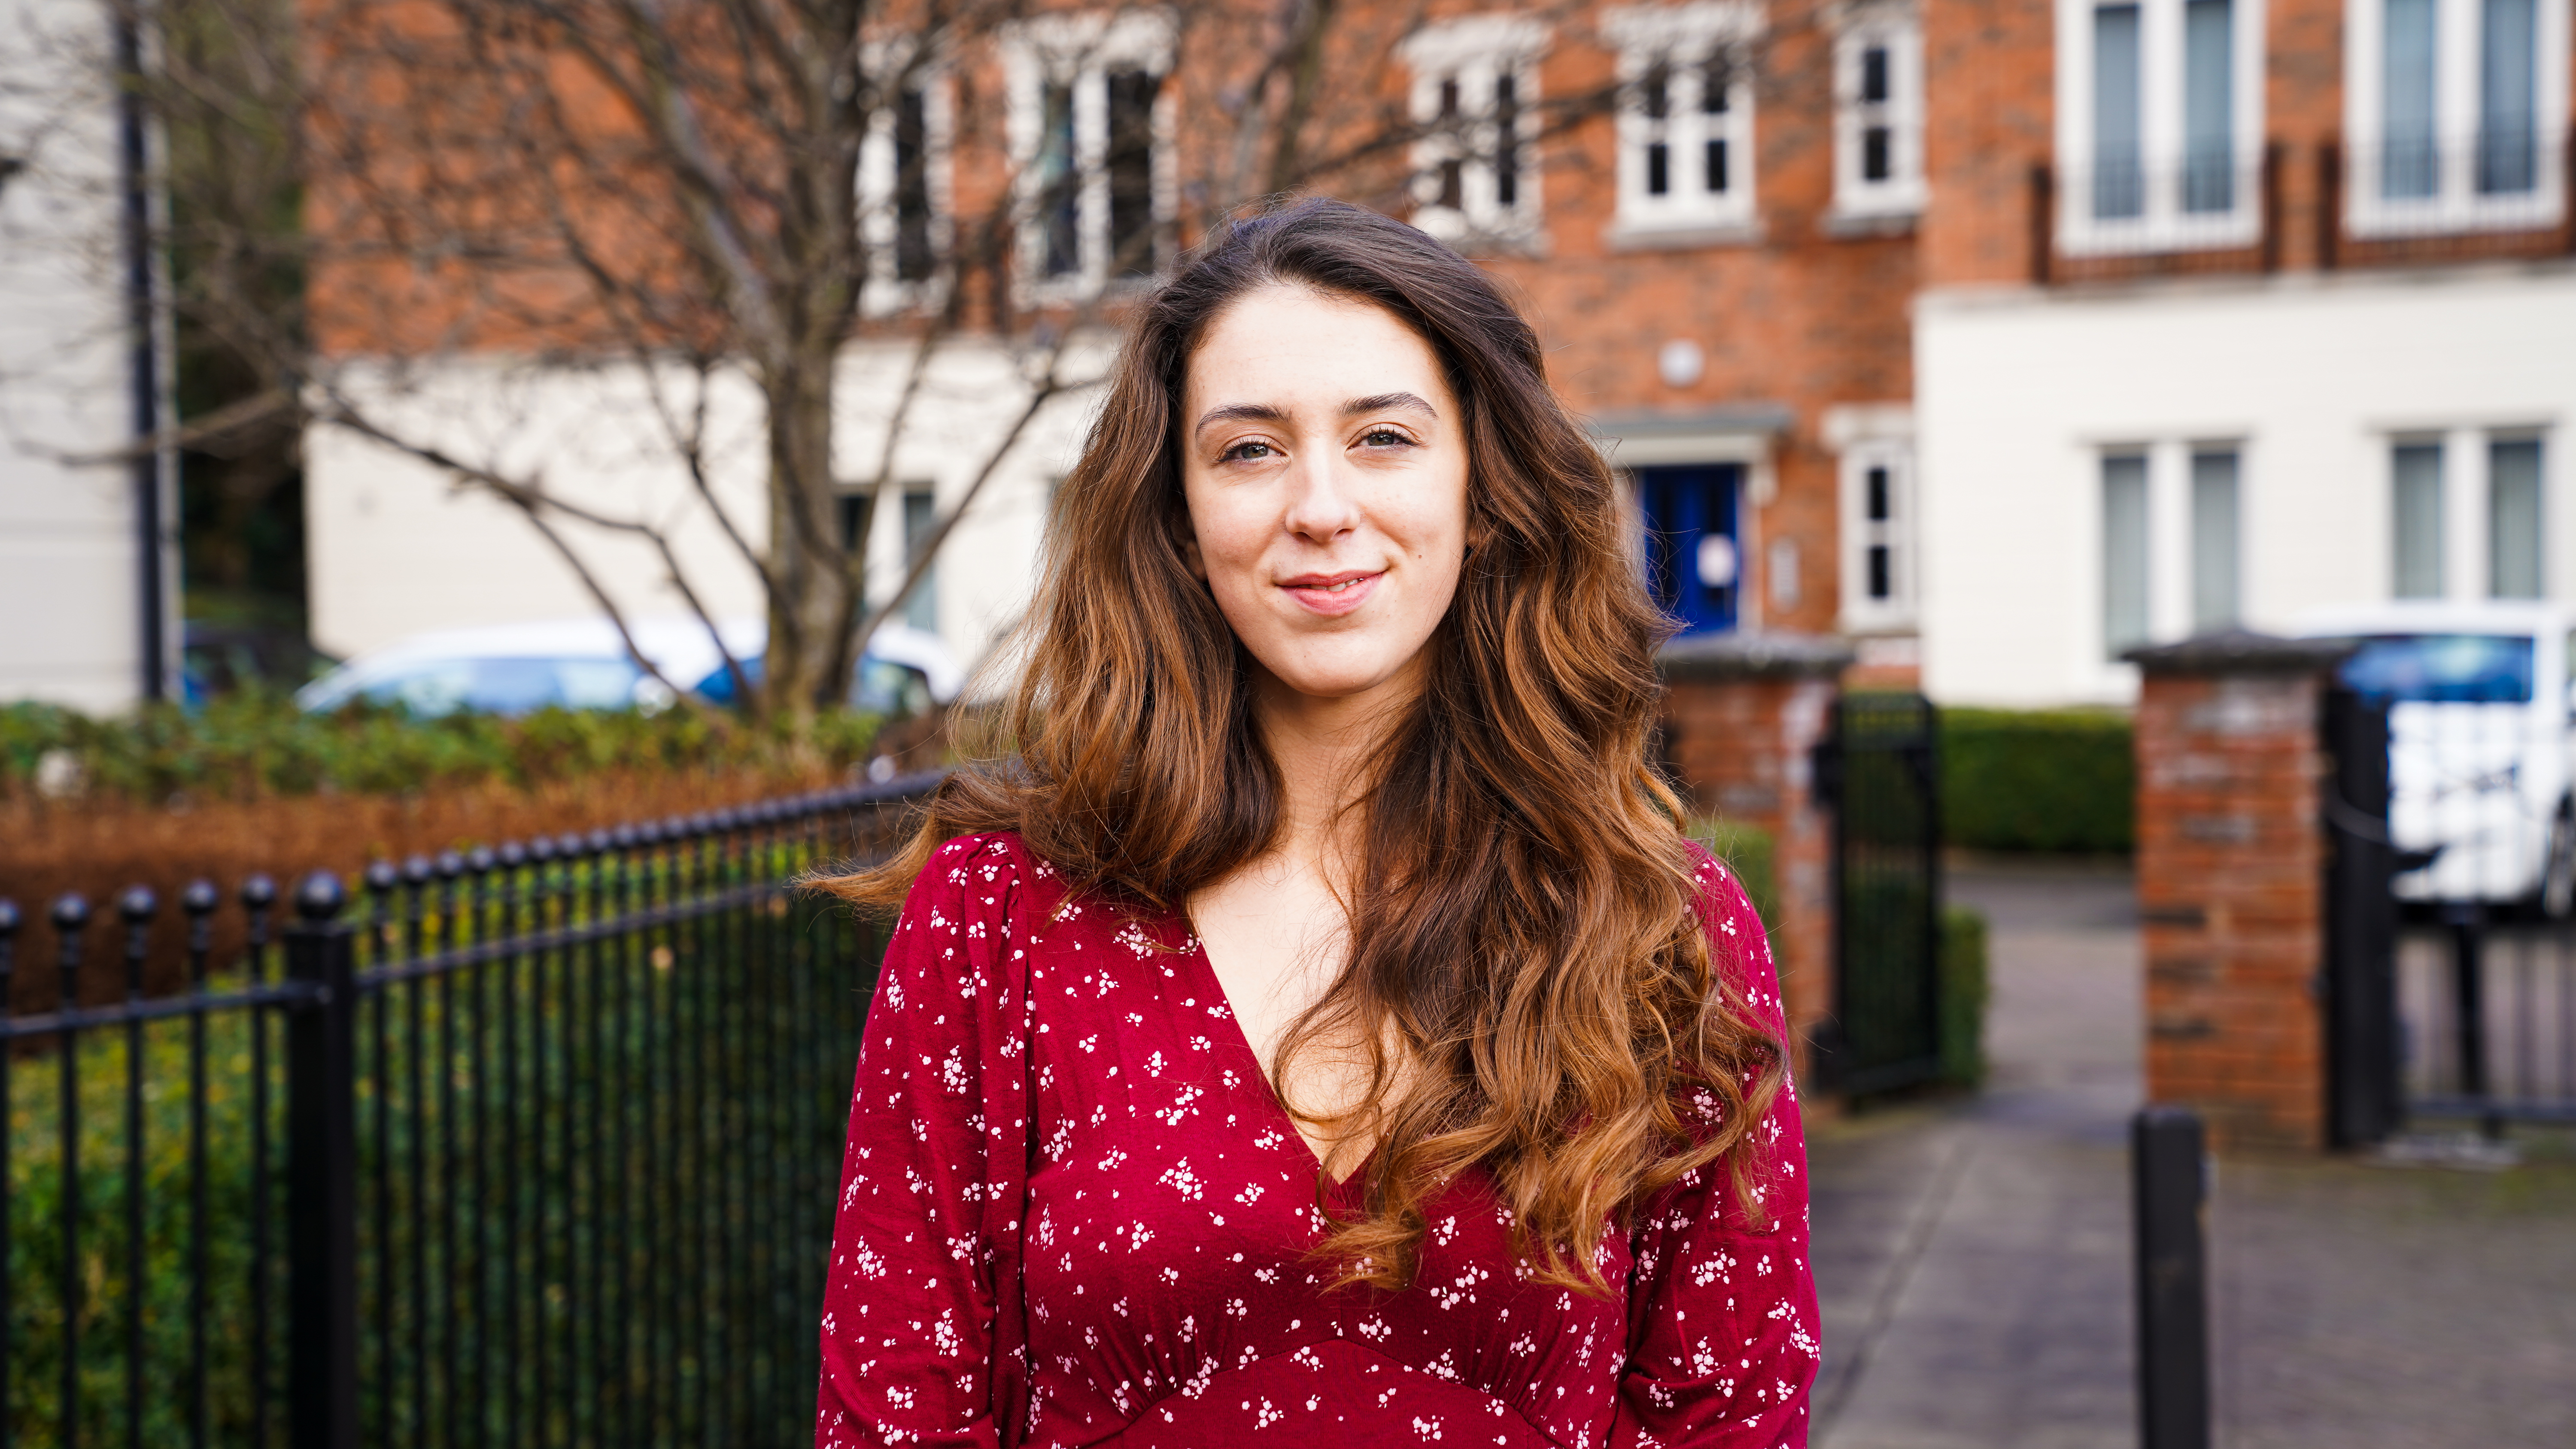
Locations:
{"points": [[513, 669], [904, 672], [2482, 742]]}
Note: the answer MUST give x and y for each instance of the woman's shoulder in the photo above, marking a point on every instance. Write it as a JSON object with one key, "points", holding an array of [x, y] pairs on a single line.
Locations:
{"points": [[1735, 929], [1721, 891], [989, 872], [966, 921], [987, 854]]}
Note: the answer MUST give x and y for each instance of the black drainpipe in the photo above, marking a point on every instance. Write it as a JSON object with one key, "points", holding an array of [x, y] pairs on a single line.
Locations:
{"points": [[135, 175]]}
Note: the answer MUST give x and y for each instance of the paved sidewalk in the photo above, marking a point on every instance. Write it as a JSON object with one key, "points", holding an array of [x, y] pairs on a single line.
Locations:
{"points": [[1973, 1256]]}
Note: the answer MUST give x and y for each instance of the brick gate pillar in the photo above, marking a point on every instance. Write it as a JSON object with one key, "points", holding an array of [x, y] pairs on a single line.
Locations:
{"points": [[1742, 715], [2231, 883]]}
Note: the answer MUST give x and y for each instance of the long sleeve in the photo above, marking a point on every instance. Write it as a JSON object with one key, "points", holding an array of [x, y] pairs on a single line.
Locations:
{"points": [[921, 1328], [1722, 1312]]}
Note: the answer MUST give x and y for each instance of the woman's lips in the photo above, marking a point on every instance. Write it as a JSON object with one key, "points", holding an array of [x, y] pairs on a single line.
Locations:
{"points": [[1332, 595]]}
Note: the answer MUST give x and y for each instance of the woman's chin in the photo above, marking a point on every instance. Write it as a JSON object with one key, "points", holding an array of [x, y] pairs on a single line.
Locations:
{"points": [[1342, 679]]}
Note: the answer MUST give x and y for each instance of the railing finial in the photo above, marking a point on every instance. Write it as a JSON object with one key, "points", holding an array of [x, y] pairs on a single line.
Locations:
{"points": [[320, 896]]}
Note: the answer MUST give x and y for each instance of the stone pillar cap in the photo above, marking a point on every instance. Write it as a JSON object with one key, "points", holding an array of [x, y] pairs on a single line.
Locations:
{"points": [[1754, 654], [2240, 651]]}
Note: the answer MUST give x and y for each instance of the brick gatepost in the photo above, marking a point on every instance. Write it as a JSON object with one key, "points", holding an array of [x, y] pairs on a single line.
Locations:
{"points": [[2231, 883], [1742, 714]]}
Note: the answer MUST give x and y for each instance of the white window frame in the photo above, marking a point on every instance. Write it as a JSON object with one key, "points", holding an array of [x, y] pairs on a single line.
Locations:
{"points": [[1864, 437], [1084, 50], [1476, 52], [2467, 548], [2164, 225], [1683, 38], [888, 293], [2170, 539], [2456, 206], [1897, 30]]}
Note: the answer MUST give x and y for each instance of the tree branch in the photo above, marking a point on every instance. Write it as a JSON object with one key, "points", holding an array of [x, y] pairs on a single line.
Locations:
{"points": [[533, 501]]}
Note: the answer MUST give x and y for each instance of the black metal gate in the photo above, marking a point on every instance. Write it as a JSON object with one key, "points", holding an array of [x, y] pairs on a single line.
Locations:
{"points": [[2451, 962], [1879, 771], [2363, 1104]]}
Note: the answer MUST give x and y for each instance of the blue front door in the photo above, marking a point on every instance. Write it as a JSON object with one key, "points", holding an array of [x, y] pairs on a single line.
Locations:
{"points": [[1693, 563]]}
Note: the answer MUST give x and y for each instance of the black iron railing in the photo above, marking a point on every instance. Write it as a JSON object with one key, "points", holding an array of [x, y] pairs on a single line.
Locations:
{"points": [[525, 1146]]}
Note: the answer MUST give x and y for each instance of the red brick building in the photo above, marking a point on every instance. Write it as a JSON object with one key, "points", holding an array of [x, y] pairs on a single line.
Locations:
{"points": [[1999, 333], [1711, 210], [1722, 263]]}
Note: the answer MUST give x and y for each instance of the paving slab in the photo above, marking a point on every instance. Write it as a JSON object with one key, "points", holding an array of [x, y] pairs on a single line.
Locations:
{"points": [[1973, 1255]]}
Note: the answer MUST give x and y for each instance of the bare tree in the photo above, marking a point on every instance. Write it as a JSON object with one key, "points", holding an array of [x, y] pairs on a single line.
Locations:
{"points": [[697, 192]]}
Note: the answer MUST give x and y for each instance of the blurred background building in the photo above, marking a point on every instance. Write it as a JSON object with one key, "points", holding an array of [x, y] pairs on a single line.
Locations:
{"points": [[2235, 311], [2001, 337], [89, 599], [1996, 336]]}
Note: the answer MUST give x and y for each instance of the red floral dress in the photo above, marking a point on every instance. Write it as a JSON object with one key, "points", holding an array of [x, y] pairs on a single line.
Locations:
{"points": [[1073, 1212]]}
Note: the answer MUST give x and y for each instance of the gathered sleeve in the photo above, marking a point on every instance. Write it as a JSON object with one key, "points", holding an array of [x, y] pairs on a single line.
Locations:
{"points": [[1722, 1308], [921, 1337]]}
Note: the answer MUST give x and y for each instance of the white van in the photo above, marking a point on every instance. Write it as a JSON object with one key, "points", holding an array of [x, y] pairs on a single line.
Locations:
{"points": [[2481, 754]]}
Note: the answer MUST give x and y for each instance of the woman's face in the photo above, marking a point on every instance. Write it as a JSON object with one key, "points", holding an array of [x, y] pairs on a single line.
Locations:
{"points": [[1326, 474]]}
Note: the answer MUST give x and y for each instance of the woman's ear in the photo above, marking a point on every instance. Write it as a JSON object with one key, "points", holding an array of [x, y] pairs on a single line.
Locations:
{"points": [[1190, 559]]}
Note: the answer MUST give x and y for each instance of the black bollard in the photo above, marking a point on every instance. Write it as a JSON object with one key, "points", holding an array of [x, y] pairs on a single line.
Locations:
{"points": [[2171, 1187]]}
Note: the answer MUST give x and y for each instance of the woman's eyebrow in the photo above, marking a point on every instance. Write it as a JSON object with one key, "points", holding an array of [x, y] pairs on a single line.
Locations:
{"points": [[1385, 401], [1270, 413], [1239, 413]]}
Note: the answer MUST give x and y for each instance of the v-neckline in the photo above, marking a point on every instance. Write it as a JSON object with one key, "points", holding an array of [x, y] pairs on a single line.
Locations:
{"points": [[1287, 1120]]}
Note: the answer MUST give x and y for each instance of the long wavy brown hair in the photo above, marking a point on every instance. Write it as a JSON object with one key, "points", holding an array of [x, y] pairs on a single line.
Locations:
{"points": [[1527, 974]]}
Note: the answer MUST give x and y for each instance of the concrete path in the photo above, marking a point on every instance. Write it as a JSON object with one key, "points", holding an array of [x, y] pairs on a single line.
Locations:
{"points": [[1973, 1256]]}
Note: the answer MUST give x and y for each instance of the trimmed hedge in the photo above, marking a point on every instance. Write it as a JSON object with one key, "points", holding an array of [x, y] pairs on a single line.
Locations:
{"points": [[2038, 780], [1964, 993], [252, 746]]}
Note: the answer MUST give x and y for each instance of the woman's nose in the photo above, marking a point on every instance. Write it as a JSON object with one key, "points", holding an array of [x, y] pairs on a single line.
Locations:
{"points": [[1320, 505]]}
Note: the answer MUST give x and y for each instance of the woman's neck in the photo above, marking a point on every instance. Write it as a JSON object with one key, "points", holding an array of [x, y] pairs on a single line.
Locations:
{"points": [[1324, 748]]}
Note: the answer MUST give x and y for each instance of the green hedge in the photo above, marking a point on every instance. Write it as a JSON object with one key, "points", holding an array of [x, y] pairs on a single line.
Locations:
{"points": [[249, 746], [1963, 996], [2038, 780], [109, 1301]]}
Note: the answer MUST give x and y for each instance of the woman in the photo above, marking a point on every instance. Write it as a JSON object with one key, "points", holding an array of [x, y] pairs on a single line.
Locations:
{"points": [[1323, 1029]]}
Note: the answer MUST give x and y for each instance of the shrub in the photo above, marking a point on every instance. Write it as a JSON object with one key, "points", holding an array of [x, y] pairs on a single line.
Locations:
{"points": [[253, 746], [109, 1302], [2038, 780], [1963, 996]]}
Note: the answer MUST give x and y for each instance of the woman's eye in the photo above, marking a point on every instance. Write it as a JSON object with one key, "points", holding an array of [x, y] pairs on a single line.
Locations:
{"points": [[1385, 438], [1246, 452]]}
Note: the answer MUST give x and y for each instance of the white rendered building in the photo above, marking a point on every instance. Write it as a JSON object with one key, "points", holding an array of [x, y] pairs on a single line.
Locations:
{"points": [[88, 558]]}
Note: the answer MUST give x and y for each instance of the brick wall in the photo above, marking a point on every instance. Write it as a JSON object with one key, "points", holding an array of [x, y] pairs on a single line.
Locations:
{"points": [[1989, 92], [1742, 714], [1796, 316], [2231, 864]]}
